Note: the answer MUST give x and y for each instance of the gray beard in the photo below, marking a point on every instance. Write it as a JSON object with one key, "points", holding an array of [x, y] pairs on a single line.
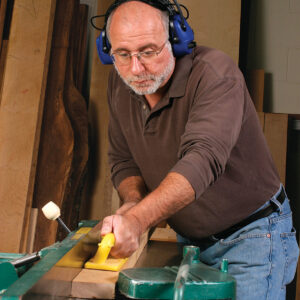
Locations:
{"points": [[157, 79]]}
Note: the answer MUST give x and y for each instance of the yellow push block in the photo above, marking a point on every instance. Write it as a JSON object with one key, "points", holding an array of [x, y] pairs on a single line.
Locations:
{"points": [[101, 261], [77, 256]]}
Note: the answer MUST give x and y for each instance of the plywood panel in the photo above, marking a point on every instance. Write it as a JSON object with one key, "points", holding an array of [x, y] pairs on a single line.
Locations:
{"points": [[216, 24], [57, 138], [100, 189], [275, 131], [164, 235], [22, 104], [255, 82], [3, 4], [261, 117]]}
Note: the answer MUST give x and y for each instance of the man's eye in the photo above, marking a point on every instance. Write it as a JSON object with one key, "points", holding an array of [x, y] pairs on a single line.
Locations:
{"points": [[123, 54], [148, 53]]}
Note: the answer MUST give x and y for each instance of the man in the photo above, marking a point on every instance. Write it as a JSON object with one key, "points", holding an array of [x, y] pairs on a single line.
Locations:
{"points": [[186, 146]]}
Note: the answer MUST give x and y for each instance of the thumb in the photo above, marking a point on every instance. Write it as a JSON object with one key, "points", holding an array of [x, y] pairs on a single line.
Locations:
{"points": [[107, 225]]}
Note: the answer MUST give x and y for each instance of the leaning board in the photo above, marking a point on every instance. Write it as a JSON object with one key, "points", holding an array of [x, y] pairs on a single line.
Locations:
{"points": [[20, 116]]}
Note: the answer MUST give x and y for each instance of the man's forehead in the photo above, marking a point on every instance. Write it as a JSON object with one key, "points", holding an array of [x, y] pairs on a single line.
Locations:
{"points": [[137, 9], [130, 21]]}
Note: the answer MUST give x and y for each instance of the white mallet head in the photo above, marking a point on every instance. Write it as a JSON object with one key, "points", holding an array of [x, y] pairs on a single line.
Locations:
{"points": [[51, 211]]}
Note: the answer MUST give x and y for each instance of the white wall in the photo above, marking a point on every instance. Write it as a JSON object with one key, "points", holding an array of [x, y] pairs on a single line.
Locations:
{"points": [[274, 45]]}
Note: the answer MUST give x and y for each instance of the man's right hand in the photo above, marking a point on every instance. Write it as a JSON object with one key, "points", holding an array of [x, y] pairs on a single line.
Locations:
{"points": [[127, 231]]}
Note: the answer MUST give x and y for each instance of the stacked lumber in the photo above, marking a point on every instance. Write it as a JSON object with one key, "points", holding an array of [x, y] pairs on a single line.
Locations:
{"points": [[5, 13], [63, 151], [274, 125], [43, 118]]}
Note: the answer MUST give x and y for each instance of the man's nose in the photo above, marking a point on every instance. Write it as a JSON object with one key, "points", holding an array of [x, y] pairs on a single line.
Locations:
{"points": [[136, 66]]}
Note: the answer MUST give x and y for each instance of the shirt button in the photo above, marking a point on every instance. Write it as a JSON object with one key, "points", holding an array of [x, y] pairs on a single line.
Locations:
{"points": [[144, 106]]}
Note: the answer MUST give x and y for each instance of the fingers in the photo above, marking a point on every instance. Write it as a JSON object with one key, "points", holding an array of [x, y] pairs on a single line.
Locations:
{"points": [[107, 225], [127, 234]]}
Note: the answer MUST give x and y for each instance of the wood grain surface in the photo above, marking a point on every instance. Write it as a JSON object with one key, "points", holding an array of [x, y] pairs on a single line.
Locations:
{"points": [[57, 137], [21, 109]]}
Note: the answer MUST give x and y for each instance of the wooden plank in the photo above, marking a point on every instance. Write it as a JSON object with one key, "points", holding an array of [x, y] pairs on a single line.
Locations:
{"points": [[3, 55], [91, 284], [100, 187], [57, 139], [22, 104], [3, 5], [31, 230], [81, 45], [261, 117], [55, 283], [255, 82], [76, 109], [275, 131], [216, 24], [164, 235]]}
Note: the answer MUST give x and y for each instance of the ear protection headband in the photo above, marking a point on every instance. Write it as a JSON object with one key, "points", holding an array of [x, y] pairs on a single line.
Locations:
{"points": [[181, 35]]}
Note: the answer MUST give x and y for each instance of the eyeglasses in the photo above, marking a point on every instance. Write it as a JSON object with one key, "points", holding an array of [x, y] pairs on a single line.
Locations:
{"points": [[145, 57]]}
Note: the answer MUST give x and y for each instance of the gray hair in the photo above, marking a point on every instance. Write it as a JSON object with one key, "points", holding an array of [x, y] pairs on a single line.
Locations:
{"points": [[164, 18]]}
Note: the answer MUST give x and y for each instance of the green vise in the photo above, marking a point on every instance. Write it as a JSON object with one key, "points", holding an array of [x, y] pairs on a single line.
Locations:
{"points": [[191, 280], [13, 266], [8, 272]]}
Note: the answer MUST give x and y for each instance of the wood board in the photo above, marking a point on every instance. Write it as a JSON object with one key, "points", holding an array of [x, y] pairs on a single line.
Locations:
{"points": [[3, 5], [22, 103], [3, 54], [255, 82], [276, 130], [99, 197], [83, 283], [76, 110], [164, 235], [57, 138], [97, 284]]}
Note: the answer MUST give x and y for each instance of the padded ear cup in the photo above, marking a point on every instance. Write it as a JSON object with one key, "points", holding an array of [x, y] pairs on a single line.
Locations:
{"points": [[182, 40], [103, 48]]}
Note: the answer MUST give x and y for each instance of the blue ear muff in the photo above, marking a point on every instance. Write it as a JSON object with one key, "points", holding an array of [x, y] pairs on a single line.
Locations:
{"points": [[103, 48], [182, 39]]}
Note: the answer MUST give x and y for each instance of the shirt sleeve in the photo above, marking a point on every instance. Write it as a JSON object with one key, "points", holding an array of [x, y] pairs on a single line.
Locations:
{"points": [[212, 130], [121, 162]]}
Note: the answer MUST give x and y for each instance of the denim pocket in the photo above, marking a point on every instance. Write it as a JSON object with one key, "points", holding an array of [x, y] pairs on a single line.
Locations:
{"points": [[231, 241], [291, 253]]}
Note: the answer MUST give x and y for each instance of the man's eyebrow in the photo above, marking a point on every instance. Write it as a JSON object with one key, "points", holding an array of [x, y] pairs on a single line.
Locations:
{"points": [[150, 45]]}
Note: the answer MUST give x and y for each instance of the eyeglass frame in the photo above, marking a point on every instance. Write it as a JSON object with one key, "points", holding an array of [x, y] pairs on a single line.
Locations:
{"points": [[138, 54]]}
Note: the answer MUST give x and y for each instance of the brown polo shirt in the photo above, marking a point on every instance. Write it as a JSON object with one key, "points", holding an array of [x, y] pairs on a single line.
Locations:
{"points": [[205, 128]]}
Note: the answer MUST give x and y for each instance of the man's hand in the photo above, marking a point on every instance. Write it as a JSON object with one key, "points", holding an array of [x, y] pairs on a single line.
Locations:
{"points": [[173, 193], [127, 231]]}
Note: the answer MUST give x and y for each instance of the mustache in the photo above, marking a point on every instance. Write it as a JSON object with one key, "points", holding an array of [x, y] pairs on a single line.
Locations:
{"points": [[141, 77]]}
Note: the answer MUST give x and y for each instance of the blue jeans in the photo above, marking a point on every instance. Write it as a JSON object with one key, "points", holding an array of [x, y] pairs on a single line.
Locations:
{"points": [[262, 256]]}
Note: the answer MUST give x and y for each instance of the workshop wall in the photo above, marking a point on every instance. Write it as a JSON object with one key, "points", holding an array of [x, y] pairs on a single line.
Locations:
{"points": [[274, 45]]}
